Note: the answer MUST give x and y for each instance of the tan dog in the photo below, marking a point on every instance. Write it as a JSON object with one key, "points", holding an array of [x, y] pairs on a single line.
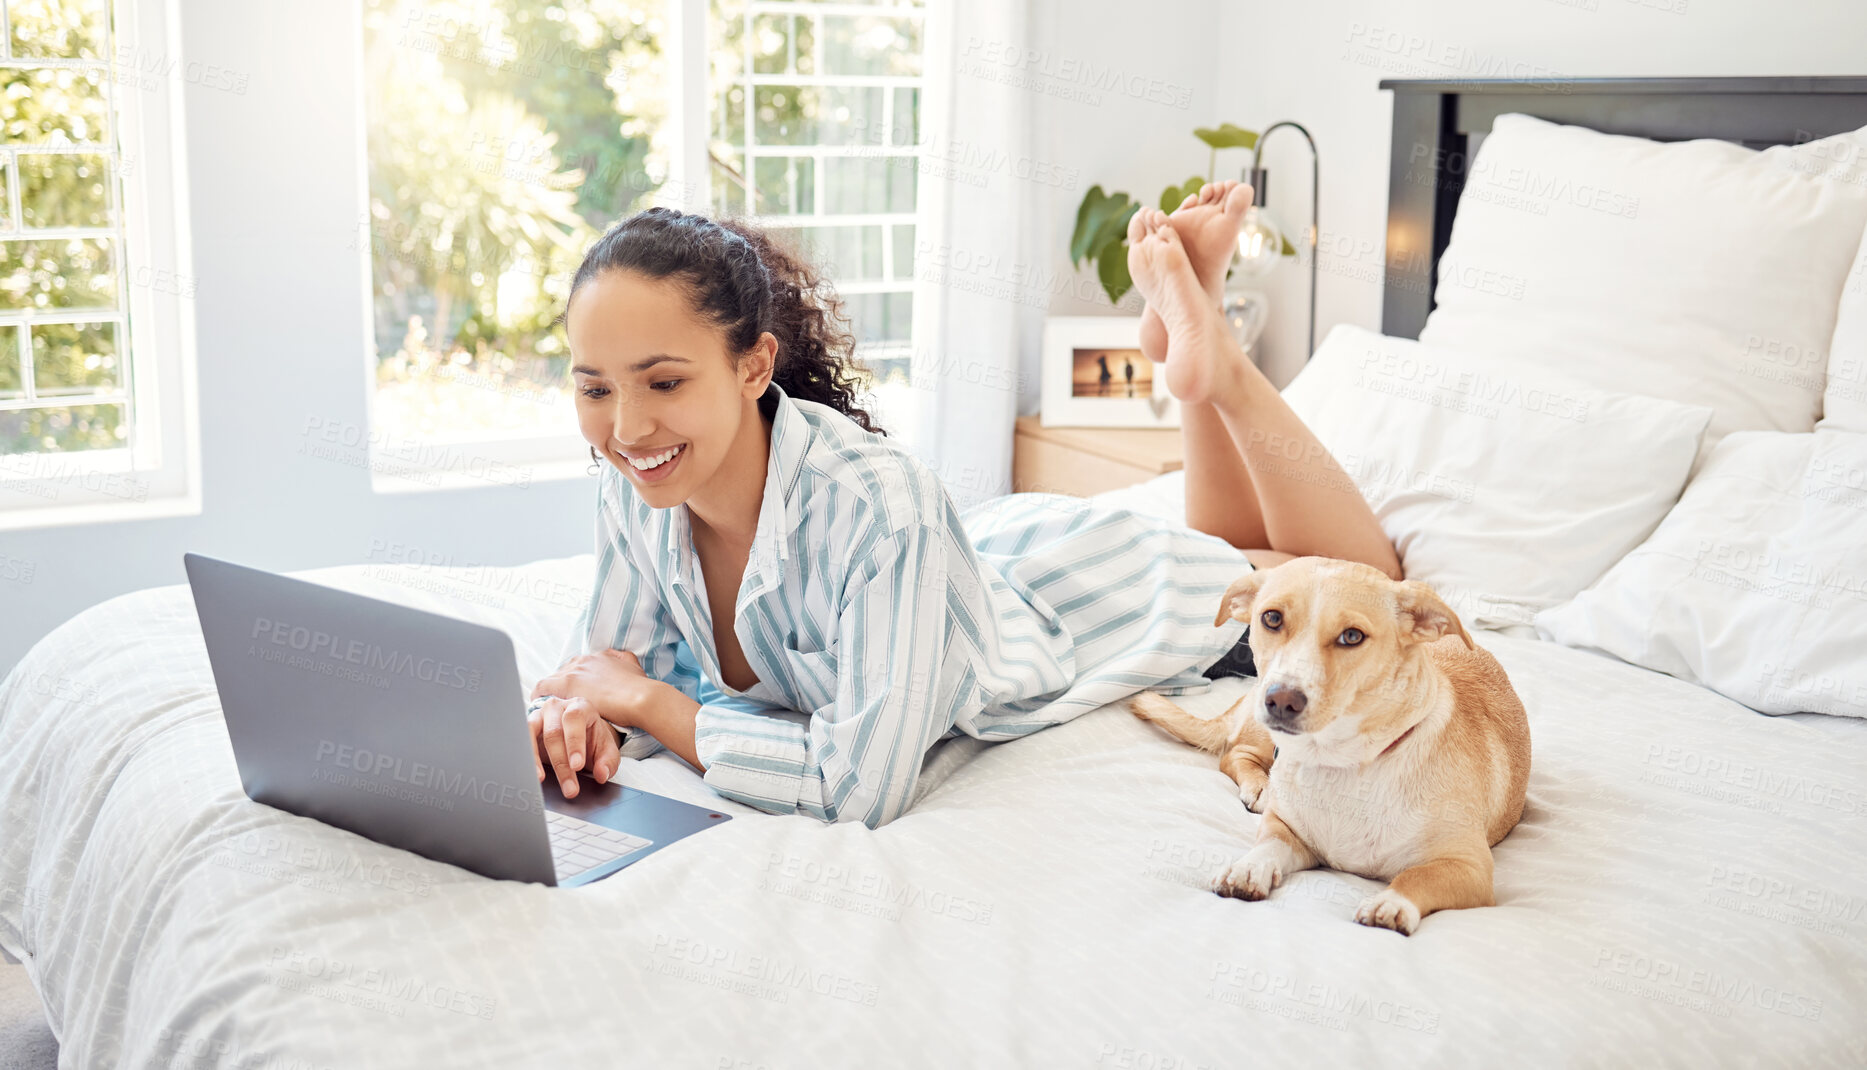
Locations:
{"points": [[1402, 751]]}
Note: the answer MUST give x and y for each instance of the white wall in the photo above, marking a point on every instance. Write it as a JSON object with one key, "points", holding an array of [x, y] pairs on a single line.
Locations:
{"points": [[276, 197], [1318, 63], [1116, 90]]}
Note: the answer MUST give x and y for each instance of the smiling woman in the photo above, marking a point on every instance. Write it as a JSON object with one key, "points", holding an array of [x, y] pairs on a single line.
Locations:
{"points": [[751, 297], [787, 598]]}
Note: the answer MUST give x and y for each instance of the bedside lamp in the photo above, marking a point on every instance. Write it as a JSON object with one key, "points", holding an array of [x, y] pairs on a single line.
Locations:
{"points": [[1260, 243]]}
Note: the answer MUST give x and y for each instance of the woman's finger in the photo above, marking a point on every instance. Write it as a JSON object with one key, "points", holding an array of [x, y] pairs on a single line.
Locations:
{"points": [[554, 746], [605, 753], [576, 718], [536, 722], [550, 685]]}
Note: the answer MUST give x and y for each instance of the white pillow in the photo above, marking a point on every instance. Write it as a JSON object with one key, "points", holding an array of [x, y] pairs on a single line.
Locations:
{"points": [[1697, 270], [1844, 402], [1507, 487], [1841, 158], [1755, 585]]}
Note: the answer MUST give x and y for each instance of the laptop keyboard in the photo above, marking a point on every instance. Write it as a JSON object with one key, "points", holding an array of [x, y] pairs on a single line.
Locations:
{"points": [[578, 845]]}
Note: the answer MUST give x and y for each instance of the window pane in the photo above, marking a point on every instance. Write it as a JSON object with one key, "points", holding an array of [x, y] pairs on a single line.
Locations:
{"points": [[729, 182], [63, 190], [881, 318], [814, 115], [899, 316], [77, 427], [729, 116], [70, 29], [855, 184], [783, 44], [844, 254], [12, 380], [888, 370], [866, 44], [786, 185], [59, 273], [904, 252], [74, 358], [57, 106], [907, 117]]}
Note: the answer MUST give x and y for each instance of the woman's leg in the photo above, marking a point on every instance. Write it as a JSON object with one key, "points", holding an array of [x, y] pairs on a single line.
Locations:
{"points": [[1304, 503], [1220, 499]]}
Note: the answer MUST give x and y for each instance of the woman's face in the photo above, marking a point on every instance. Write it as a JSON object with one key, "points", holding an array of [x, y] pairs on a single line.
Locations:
{"points": [[655, 383]]}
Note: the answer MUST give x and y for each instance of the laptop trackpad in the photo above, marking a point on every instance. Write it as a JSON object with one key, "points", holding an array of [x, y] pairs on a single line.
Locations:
{"points": [[591, 797]]}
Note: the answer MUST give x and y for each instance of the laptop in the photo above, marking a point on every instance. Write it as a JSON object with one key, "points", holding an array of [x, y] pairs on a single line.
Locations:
{"points": [[409, 728]]}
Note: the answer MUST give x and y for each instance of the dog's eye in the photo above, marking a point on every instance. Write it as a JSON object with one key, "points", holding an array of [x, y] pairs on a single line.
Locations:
{"points": [[1349, 637], [1272, 619]]}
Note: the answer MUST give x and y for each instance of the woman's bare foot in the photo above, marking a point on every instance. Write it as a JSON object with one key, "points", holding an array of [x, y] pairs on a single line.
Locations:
{"points": [[1207, 223], [1195, 351]]}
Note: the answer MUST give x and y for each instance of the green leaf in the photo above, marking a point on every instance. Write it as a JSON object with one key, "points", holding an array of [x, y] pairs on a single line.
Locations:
{"points": [[1092, 218], [1288, 249], [1171, 197], [1227, 136], [1114, 231], [1112, 268]]}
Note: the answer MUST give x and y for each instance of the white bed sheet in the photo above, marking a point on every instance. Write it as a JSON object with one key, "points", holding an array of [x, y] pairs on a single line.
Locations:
{"points": [[1683, 890]]}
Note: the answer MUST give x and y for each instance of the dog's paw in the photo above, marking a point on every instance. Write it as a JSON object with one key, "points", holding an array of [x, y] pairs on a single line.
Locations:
{"points": [[1249, 794], [1146, 704], [1252, 786], [1388, 909], [1251, 877]]}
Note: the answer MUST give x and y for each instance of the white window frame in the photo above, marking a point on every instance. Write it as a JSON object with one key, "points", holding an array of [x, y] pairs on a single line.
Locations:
{"points": [[159, 472], [400, 465], [889, 283]]}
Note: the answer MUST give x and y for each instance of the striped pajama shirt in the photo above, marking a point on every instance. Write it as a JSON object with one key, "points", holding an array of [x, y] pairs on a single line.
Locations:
{"points": [[880, 619]]}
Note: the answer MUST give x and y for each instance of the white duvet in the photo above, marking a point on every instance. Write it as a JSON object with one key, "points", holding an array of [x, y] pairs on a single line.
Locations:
{"points": [[1685, 889]]}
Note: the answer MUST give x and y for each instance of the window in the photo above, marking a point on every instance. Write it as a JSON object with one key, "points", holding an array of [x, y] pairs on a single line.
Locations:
{"points": [[815, 119], [504, 136], [95, 293]]}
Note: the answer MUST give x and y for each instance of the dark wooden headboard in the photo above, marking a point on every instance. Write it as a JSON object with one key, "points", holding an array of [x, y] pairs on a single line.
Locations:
{"points": [[1435, 122]]}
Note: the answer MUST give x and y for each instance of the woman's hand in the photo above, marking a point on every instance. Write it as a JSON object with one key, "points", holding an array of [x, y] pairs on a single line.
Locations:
{"points": [[571, 729], [612, 681], [569, 733]]}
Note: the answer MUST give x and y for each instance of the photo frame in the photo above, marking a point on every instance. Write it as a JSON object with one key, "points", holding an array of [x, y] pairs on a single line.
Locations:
{"points": [[1094, 375]]}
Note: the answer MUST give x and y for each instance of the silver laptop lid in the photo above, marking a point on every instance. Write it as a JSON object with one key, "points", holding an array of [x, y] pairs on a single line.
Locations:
{"points": [[401, 725]]}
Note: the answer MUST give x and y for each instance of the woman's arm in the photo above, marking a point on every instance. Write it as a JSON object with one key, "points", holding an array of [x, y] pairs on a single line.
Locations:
{"points": [[668, 714], [856, 759], [625, 613]]}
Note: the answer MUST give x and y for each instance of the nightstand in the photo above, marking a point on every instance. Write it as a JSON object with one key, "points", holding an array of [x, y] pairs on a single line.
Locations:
{"points": [[1089, 460]]}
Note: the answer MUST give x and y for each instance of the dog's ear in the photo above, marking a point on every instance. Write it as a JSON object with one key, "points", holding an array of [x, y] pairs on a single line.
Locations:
{"points": [[1424, 616], [1238, 597]]}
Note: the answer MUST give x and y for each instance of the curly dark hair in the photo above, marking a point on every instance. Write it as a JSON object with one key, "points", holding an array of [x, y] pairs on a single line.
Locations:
{"points": [[746, 284]]}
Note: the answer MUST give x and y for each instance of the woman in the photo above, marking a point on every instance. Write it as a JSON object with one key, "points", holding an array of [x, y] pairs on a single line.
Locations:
{"points": [[789, 600]]}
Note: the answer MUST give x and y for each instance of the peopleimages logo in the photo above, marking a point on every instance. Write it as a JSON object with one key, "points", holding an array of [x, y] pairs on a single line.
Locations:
{"points": [[369, 656], [388, 767]]}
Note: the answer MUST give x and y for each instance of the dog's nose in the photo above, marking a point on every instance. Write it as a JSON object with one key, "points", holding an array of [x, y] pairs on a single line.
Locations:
{"points": [[1283, 705]]}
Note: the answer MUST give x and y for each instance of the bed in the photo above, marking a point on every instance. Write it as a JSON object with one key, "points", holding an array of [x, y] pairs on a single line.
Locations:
{"points": [[1683, 888]]}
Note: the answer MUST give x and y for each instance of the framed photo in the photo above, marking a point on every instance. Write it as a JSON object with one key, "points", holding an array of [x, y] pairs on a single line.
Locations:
{"points": [[1095, 375]]}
